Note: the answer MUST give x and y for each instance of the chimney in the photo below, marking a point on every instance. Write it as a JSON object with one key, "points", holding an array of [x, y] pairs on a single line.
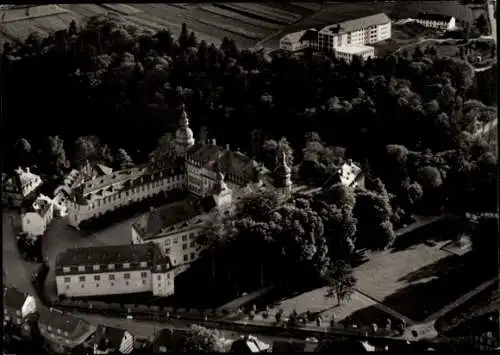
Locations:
{"points": [[349, 162], [227, 147], [28, 170], [214, 142]]}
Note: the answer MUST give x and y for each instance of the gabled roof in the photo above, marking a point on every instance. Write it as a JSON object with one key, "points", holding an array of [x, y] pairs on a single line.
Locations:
{"points": [[13, 298], [63, 324], [108, 337], [103, 169], [357, 24], [434, 17], [249, 344]]}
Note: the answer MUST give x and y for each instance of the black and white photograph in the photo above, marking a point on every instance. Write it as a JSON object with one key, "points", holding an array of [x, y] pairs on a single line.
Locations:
{"points": [[249, 177]]}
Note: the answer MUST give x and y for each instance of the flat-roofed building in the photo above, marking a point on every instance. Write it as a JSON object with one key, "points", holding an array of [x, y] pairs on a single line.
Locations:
{"points": [[362, 31], [114, 270], [347, 53]]}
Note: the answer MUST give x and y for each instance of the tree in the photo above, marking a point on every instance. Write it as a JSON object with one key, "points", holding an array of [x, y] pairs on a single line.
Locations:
{"points": [[86, 148], [192, 40], [481, 24], [123, 159], [23, 152], [430, 177], [184, 37], [201, 339], [341, 281]]}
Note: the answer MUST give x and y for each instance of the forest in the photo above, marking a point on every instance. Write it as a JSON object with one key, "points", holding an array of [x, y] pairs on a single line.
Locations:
{"points": [[111, 93]]}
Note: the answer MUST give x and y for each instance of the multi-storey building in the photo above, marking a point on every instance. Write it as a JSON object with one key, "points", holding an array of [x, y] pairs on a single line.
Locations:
{"points": [[347, 53], [299, 40], [35, 222], [18, 311], [118, 269], [65, 333], [439, 21], [187, 166], [20, 188], [362, 31], [109, 340]]}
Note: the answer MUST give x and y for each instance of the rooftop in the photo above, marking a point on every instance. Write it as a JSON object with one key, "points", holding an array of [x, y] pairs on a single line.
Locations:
{"points": [[42, 205], [249, 343], [63, 324], [108, 337], [13, 298], [108, 254], [355, 49], [357, 24], [434, 17], [349, 172]]}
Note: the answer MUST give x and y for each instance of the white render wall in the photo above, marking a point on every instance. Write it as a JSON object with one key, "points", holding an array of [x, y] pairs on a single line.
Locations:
{"points": [[78, 213]]}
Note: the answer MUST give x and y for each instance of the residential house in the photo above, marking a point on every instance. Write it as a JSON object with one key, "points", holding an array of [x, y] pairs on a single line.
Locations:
{"points": [[362, 31], [299, 40], [438, 21], [63, 332], [19, 310], [109, 340], [20, 188], [35, 221], [169, 340], [249, 344], [114, 270]]}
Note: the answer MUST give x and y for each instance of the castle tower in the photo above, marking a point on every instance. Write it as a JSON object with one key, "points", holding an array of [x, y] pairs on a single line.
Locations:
{"points": [[284, 177], [222, 193], [184, 135]]}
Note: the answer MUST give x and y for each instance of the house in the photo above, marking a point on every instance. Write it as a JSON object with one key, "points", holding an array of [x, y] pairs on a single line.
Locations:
{"points": [[114, 270], [20, 188], [19, 310], [351, 174], [362, 31], [194, 167], [281, 346], [35, 222], [249, 344], [347, 53], [109, 340], [63, 332], [299, 40], [439, 21], [169, 340]]}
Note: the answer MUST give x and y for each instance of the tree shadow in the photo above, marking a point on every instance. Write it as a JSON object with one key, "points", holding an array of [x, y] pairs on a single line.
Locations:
{"points": [[439, 231], [438, 269]]}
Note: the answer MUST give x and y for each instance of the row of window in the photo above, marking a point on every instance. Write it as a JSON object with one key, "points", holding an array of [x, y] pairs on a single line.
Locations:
{"points": [[127, 283], [112, 277], [110, 266]]}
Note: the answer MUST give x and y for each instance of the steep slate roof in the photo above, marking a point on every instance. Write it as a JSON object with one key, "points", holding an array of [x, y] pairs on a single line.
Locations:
{"points": [[71, 327], [13, 299], [433, 17], [356, 24]]}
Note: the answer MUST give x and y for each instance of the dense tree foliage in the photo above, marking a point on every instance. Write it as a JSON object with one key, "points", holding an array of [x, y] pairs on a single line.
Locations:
{"points": [[201, 339]]}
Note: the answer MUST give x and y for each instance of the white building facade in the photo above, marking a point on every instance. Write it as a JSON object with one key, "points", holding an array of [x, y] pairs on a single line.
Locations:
{"points": [[109, 270], [347, 53], [437, 21], [362, 31], [20, 187], [35, 223]]}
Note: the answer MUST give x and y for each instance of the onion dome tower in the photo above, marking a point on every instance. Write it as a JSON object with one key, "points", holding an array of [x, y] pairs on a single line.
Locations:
{"points": [[184, 135], [283, 175]]}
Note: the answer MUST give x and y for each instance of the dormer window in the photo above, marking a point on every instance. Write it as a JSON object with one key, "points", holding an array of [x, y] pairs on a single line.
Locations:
{"points": [[126, 265], [143, 264], [81, 268], [96, 267], [111, 266]]}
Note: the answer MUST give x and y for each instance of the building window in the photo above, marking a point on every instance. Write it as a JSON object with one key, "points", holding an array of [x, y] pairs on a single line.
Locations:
{"points": [[192, 256], [168, 275], [144, 275], [96, 267], [191, 244], [97, 277], [81, 268], [144, 264], [184, 238], [158, 277], [111, 266], [66, 269], [111, 276], [127, 283], [167, 241], [176, 240], [167, 250], [126, 265], [81, 285], [82, 278], [97, 285], [126, 276], [184, 246], [185, 257], [67, 279]]}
